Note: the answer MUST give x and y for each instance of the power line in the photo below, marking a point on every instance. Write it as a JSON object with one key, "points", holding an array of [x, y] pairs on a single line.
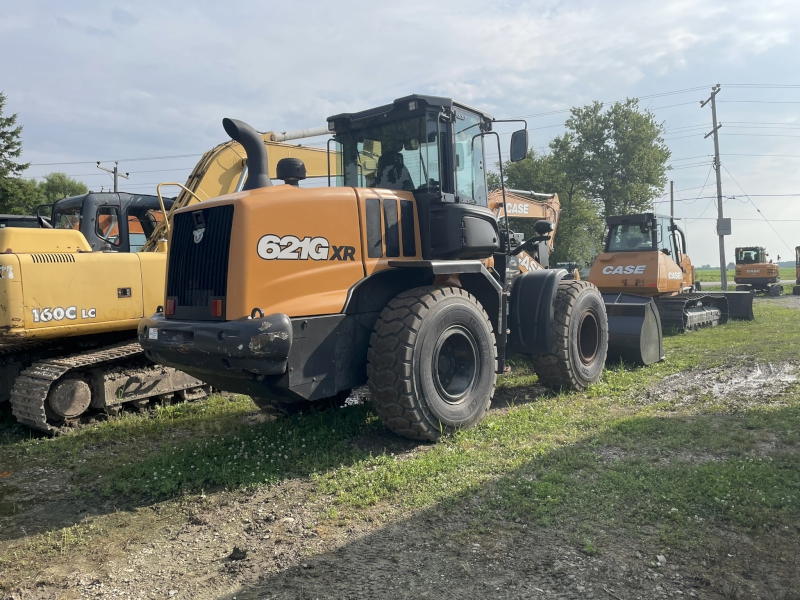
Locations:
{"points": [[761, 101], [757, 209]]}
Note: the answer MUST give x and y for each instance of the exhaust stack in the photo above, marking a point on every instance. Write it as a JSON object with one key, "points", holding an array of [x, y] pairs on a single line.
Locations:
{"points": [[253, 144]]}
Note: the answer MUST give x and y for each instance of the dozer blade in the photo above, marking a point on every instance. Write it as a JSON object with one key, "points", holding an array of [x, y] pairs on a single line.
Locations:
{"points": [[634, 329], [740, 305]]}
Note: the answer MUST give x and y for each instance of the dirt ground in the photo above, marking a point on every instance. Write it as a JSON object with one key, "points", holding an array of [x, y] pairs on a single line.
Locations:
{"points": [[270, 545], [273, 544]]}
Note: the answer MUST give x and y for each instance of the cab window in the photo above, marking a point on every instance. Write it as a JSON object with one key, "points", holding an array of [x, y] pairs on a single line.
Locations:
{"points": [[69, 218], [470, 175], [107, 227], [630, 237], [141, 224]]}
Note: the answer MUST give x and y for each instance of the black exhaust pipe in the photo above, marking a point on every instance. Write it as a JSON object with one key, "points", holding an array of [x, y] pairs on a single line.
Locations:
{"points": [[253, 144]]}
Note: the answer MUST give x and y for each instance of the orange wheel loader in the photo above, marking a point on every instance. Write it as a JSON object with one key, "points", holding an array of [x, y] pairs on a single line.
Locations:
{"points": [[399, 276]]}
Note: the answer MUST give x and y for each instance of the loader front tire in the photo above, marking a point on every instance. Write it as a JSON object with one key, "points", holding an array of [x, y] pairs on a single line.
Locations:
{"points": [[431, 362], [580, 331]]}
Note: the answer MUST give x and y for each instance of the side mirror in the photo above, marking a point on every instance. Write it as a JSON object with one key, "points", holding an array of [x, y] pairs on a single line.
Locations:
{"points": [[519, 145]]}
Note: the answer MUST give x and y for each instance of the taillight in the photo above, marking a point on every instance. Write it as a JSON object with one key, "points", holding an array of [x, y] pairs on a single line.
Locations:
{"points": [[170, 307], [216, 308]]}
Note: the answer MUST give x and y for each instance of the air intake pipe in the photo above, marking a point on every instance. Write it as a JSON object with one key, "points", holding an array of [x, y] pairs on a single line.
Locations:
{"points": [[257, 163]]}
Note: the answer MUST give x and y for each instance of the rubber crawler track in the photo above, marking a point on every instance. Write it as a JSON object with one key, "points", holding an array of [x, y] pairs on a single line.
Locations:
{"points": [[389, 368]]}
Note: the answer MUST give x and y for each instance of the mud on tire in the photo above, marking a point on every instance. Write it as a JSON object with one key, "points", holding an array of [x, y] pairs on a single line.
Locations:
{"points": [[283, 408], [431, 362], [580, 331]]}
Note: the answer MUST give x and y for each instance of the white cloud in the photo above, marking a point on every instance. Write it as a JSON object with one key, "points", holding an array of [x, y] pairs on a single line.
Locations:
{"points": [[93, 80]]}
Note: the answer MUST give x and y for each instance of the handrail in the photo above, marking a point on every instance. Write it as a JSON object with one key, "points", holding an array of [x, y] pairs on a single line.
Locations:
{"points": [[175, 205]]}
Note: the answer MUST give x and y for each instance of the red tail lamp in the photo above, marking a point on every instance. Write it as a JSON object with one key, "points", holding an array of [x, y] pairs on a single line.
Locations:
{"points": [[170, 307], [216, 308]]}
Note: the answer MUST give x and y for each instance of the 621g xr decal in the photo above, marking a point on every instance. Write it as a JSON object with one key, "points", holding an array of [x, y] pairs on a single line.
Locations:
{"points": [[290, 247]]}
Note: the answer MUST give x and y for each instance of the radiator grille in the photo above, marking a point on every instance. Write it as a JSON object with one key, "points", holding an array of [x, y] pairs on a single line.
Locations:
{"points": [[198, 271], [53, 257]]}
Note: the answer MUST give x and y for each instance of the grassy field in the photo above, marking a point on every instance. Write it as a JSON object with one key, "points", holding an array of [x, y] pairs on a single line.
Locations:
{"points": [[713, 274], [646, 458]]}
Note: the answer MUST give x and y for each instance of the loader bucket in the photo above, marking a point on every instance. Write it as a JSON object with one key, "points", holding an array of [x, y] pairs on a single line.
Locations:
{"points": [[634, 329], [740, 305]]}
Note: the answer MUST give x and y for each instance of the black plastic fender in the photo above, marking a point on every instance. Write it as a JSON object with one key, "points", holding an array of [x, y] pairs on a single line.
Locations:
{"points": [[531, 305]]}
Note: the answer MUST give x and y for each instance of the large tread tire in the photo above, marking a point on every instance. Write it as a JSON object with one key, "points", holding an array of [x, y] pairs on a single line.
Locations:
{"points": [[408, 362], [579, 314]]}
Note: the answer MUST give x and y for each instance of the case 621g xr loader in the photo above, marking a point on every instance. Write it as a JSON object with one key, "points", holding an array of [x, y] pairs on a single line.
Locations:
{"points": [[399, 276]]}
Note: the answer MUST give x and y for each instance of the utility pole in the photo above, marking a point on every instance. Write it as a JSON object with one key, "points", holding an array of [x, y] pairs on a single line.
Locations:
{"points": [[115, 172], [672, 199], [723, 267]]}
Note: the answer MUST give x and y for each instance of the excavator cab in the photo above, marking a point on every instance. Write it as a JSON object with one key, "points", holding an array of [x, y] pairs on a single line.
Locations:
{"points": [[754, 271], [796, 290], [116, 222]]}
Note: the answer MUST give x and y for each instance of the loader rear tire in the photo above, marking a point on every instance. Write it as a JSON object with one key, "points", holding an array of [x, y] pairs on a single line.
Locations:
{"points": [[431, 362], [580, 329]]}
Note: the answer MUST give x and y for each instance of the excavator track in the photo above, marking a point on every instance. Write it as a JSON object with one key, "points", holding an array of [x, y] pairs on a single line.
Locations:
{"points": [[688, 312], [31, 388]]}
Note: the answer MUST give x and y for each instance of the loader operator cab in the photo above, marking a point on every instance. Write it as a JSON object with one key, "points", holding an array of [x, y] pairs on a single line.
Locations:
{"points": [[645, 232], [434, 148], [116, 222]]}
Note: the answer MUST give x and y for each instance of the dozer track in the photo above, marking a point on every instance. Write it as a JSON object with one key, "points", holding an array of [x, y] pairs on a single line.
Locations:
{"points": [[688, 312], [29, 395]]}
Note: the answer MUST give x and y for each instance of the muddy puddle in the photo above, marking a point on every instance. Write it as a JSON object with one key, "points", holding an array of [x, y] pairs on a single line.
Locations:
{"points": [[741, 385]]}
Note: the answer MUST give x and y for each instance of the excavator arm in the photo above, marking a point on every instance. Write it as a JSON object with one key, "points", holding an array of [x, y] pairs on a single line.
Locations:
{"points": [[222, 170], [521, 204]]}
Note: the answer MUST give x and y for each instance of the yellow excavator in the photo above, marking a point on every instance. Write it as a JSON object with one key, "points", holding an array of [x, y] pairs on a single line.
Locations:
{"points": [[401, 276], [74, 291]]}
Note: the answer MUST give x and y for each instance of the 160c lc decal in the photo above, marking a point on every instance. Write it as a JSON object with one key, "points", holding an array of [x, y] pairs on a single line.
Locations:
{"points": [[45, 315], [290, 247]]}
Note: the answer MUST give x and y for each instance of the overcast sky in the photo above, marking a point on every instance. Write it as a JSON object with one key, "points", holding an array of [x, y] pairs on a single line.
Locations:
{"points": [[104, 80]]}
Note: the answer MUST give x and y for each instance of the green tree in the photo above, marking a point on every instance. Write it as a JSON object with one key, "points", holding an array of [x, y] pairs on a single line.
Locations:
{"points": [[580, 228], [10, 144], [19, 196], [618, 156], [60, 185]]}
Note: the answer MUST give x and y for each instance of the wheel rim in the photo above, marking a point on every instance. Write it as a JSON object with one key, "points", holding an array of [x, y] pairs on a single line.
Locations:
{"points": [[455, 364], [588, 337]]}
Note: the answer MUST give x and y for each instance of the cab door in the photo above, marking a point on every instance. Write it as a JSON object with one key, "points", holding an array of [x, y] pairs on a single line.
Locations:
{"points": [[679, 253]]}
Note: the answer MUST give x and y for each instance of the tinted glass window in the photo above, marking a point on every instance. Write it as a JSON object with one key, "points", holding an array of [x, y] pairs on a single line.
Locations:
{"points": [[69, 218], [108, 224], [470, 175], [401, 155], [629, 238]]}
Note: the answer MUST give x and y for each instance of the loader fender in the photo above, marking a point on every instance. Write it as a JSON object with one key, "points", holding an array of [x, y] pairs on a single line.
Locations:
{"points": [[531, 311]]}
